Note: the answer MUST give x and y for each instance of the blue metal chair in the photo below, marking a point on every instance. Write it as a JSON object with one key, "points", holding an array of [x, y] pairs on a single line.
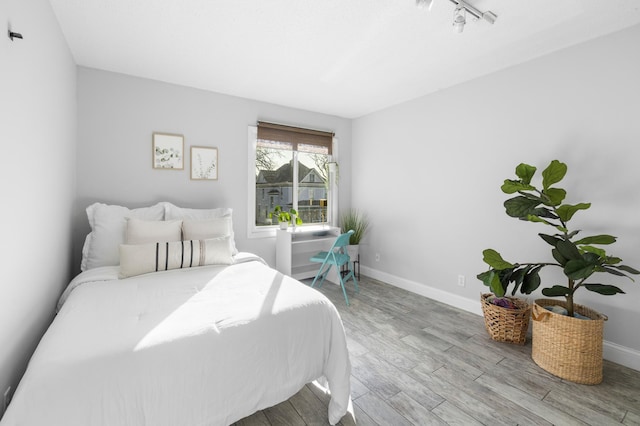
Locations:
{"points": [[338, 257]]}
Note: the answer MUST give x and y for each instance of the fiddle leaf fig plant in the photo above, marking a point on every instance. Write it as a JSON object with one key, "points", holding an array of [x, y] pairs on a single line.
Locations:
{"points": [[580, 259]]}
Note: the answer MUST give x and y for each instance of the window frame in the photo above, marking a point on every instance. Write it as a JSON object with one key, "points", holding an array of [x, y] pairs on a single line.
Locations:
{"points": [[255, 231]]}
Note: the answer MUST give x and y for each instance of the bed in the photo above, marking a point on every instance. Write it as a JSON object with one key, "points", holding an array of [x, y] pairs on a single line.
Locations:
{"points": [[200, 345]]}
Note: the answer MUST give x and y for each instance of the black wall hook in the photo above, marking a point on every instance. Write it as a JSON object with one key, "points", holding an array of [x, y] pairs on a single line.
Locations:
{"points": [[13, 35]]}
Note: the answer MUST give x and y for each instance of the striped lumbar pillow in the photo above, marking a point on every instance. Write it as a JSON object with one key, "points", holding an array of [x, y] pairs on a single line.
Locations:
{"points": [[136, 259]]}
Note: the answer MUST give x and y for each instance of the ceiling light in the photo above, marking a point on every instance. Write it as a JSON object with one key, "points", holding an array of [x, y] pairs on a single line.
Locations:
{"points": [[424, 4], [459, 18], [460, 13]]}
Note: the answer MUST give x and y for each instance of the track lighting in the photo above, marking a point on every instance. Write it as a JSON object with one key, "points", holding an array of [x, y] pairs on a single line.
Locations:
{"points": [[459, 18], [460, 13]]}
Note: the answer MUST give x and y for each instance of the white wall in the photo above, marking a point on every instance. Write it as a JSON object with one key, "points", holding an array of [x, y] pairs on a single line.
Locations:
{"points": [[435, 166], [117, 115], [37, 129]]}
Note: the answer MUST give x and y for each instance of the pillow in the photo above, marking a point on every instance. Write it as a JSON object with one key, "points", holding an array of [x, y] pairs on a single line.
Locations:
{"points": [[137, 259], [207, 228], [108, 223], [172, 212], [152, 231], [85, 252]]}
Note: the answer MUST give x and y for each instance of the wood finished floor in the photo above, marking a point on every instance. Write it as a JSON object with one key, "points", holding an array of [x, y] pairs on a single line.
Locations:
{"points": [[421, 362]]}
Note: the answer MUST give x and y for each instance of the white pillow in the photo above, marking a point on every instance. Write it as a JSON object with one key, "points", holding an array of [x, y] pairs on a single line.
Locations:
{"points": [[108, 223], [85, 252], [137, 259], [152, 231], [206, 228], [173, 212]]}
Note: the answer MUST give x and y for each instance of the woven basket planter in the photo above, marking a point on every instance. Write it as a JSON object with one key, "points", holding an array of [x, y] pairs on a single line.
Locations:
{"points": [[570, 348], [506, 325]]}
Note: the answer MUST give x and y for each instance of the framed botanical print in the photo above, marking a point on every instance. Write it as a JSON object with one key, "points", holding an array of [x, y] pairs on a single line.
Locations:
{"points": [[168, 151], [204, 163]]}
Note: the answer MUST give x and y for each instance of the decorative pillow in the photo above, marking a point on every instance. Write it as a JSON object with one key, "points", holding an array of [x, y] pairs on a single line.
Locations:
{"points": [[108, 224], [206, 228], [152, 231], [137, 259], [172, 212]]}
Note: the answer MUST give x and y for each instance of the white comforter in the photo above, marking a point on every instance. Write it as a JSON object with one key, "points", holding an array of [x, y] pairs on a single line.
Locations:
{"points": [[199, 346]]}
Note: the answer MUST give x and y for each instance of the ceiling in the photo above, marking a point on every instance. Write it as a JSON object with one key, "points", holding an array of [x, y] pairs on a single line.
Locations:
{"points": [[341, 57]]}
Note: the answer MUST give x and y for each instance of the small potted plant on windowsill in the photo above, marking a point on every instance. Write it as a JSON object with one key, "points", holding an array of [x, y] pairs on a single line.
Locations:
{"points": [[284, 217]]}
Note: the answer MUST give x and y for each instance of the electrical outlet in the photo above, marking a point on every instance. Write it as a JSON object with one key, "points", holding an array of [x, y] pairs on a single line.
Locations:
{"points": [[7, 398], [461, 280], [377, 257]]}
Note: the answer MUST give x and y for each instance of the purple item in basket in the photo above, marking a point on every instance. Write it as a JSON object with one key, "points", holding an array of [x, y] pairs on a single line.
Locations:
{"points": [[503, 302]]}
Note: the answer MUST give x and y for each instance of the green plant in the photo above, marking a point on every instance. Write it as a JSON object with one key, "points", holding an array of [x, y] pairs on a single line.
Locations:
{"points": [[579, 259], [353, 219], [285, 216]]}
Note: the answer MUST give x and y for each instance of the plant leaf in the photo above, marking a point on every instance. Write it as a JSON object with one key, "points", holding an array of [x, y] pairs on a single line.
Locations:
{"points": [[606, 290], [495, 260], [486, 277], [512, 186], [531, 280], [536, 219], [566, 211], [595, 250], [568, 250], [525, 172], [577, 269], [597, 239], [496, 286], [490, 279], [544, 212], [556, 291], [573, 233], [521, 206], [558, 257], [626, 268], [518, 278], [549, 239], [613, 271], [554, 173], [556, 196]]}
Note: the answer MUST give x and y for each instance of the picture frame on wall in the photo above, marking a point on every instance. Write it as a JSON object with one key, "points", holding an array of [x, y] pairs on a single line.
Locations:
{"points": [[204, 163], [168, 151]]}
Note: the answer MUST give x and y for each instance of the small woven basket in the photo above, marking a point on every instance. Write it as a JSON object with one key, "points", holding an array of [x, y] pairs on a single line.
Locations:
{"points": [[570, 348], [506, 325]]}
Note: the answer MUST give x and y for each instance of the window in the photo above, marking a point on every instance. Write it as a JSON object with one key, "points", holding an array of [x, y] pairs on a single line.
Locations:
{"points": [[290, 167]]}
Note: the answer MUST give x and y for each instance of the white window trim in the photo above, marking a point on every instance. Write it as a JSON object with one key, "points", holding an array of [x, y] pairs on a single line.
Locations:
{"points": [[254, 231]]}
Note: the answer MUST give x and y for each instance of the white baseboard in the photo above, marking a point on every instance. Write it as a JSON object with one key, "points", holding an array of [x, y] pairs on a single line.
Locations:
{"points": [[621, 355], [611, 351]]}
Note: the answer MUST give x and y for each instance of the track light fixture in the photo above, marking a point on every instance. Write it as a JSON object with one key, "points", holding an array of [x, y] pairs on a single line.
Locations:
{"points": [[460, 13], [459, 18]]}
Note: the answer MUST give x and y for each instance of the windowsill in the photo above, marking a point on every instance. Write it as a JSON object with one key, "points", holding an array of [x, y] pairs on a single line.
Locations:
{"points": [[270, 231]]}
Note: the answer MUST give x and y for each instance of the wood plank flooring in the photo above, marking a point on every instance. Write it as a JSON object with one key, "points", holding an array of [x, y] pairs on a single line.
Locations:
{"points": [[416, 361]]}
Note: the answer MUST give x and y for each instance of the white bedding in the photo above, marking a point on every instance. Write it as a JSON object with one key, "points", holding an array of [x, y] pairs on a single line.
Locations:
{"points": [[200, 346]]}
